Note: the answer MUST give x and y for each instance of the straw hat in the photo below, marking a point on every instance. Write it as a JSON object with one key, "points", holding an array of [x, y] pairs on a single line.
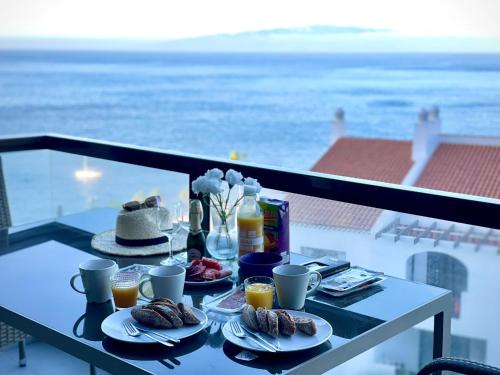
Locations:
{"points": [[136, 233]]}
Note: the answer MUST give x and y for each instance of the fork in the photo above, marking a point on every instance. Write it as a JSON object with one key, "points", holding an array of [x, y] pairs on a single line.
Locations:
{"points": [[238, 332], [134, 332]]}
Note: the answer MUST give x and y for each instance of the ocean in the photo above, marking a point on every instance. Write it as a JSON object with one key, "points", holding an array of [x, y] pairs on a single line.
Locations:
{"points": [[275, 108], [272, 109]]}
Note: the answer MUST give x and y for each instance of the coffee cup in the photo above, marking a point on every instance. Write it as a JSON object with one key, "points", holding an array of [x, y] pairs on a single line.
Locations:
{"points": [[166, 282], [96, 282], [292, 281]]}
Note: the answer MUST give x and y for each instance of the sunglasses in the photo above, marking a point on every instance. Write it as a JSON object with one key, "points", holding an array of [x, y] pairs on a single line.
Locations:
{"points": [[152, 201]]}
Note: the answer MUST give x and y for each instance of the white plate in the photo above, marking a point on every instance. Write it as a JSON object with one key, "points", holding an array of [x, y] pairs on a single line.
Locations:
{"points": [[112, 326], [208, 282], [298, 341]]}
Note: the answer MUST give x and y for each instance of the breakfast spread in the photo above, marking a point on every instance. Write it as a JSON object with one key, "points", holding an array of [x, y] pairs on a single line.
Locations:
{"points": [[206, 269], [276, 322], [164, 313]]}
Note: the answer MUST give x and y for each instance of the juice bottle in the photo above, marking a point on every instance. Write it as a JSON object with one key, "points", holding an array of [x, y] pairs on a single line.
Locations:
{"points": [[250, 224]]}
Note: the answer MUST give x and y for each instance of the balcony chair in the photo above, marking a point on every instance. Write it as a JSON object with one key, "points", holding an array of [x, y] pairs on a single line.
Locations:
{"points": [[8, 334], [458, 365]]}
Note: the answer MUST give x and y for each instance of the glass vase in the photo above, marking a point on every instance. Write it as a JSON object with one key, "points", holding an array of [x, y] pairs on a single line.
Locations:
{"points": [[222, 240]]}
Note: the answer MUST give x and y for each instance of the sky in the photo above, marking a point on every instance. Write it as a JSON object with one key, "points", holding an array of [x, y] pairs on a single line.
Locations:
{"points": [[165, 19]]}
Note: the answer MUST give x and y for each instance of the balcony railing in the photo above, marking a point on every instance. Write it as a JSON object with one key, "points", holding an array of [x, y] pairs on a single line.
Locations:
{"points": [[461, 208]]}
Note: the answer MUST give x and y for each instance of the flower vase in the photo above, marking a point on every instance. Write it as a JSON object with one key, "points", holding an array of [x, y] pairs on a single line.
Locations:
{"points": [[222, 240]]}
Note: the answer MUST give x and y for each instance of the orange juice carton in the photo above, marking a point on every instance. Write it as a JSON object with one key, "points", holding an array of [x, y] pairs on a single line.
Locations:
{"points": [[276, 226]]}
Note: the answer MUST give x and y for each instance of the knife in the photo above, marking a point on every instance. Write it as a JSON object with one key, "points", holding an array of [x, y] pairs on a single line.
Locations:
{"points": [[158, 334], [257, 335]]}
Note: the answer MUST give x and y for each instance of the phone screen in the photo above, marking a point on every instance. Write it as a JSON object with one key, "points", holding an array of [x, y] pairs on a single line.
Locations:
{"points": [[315, 266]]}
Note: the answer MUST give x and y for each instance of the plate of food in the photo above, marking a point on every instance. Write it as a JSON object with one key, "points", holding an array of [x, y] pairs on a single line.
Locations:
{"points": [[288, 330], [206, 271], [161, 315]]}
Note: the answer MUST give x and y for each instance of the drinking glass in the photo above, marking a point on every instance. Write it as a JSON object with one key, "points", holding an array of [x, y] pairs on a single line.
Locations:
{"points": [[125, 288], [182, 212], [259, 291], [170, 232]]}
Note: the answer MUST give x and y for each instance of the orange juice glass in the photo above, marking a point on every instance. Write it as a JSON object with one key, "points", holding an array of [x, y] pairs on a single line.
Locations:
{"points": [[259, 291], [125, 288]]}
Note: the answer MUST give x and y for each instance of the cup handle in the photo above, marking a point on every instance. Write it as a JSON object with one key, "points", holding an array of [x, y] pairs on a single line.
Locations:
{"points": [[141, 291], [72, 283], [318, 281], [77, 323]]}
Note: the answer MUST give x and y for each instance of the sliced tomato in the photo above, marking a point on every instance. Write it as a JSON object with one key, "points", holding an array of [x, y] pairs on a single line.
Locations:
{"points": [[195, 262], [211, 263], [195, 270]]}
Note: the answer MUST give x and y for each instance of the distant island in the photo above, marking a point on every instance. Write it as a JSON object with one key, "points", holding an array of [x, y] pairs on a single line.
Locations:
{"points": [[304, 39]]}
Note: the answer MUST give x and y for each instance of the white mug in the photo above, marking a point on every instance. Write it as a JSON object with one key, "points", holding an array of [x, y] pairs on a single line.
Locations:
{"points": [[96, 281], [291, 281], [166, 281]]}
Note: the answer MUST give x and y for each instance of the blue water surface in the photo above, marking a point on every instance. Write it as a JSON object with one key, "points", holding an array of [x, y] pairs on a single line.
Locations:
{"points": [[276, 108]]}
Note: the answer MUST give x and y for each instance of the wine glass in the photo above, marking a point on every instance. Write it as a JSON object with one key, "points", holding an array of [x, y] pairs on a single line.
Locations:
{"points": [[170, 232], [182, 212]]}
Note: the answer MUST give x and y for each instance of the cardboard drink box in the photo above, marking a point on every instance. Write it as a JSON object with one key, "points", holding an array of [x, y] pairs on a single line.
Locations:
{"points": [[276, 226]]}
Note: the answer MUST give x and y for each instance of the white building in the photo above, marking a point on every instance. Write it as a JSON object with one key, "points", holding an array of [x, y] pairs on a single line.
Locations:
{"points": [[455, 256]]}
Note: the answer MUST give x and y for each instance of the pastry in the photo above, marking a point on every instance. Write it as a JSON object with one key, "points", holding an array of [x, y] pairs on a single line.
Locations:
{"points": [[167, 302], [187, 315], [167, 313], [150, 318]]}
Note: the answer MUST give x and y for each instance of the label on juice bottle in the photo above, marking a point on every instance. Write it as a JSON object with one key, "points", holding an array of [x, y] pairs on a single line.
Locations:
{"points": [[249, 241]]}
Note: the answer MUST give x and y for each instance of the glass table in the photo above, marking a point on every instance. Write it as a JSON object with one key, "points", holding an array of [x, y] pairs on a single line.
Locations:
{"points": [[36, 297]]}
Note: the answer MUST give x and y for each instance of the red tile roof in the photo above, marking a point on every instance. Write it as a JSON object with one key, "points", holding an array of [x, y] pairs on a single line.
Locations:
{"points": [[324, 212], [371, 159], [374, 159], [466, 169]]}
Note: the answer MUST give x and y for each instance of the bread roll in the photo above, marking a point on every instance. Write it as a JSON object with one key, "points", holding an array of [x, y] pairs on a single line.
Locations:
{"points": [[285, 323], [249, 317], [306, 325], [261, 314], [272, 323]]}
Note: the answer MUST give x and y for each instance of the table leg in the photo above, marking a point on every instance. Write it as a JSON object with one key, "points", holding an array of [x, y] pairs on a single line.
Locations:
{"points": [[22, 352], [92, 369], [442, 334]]}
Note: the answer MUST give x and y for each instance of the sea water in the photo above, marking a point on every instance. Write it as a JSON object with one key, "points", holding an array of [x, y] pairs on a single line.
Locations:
{"points": [[268, 108]]}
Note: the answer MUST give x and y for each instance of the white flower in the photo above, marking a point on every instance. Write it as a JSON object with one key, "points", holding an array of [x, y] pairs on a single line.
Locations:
{"points": [[252, 184], [234, 178], [199, 185], [214, 186], [207, 185], [214, 173]]}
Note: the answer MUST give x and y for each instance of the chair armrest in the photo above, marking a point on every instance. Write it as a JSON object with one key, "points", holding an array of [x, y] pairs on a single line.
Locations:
{"points": [[459, 365]]}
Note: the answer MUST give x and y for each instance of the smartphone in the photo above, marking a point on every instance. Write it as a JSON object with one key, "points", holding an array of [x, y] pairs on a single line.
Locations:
{"points": [[327, 266]]}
